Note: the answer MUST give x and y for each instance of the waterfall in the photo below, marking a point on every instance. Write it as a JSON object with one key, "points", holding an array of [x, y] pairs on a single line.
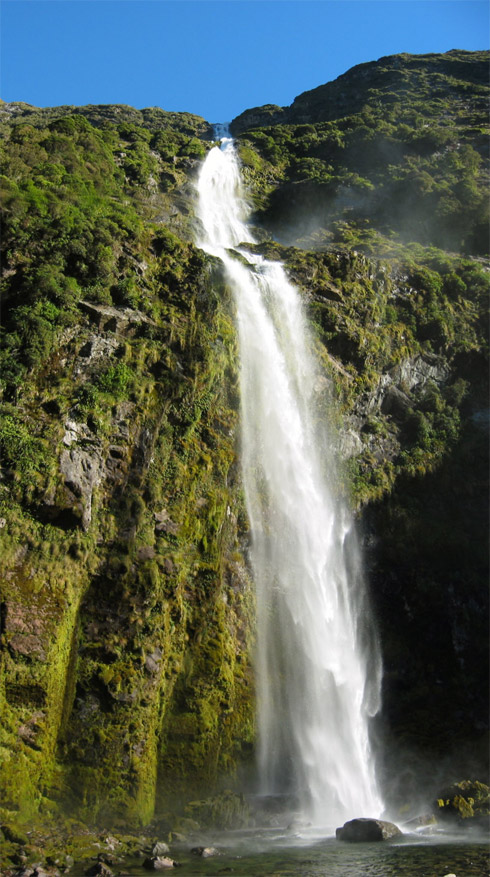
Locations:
{"points": [[318, 669]]}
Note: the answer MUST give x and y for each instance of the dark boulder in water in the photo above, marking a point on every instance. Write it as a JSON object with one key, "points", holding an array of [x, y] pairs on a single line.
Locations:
{"points": [[363, 830]]}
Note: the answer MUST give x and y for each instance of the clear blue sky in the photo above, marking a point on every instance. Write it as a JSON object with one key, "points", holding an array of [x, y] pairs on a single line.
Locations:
{"points": [[215, 58]]}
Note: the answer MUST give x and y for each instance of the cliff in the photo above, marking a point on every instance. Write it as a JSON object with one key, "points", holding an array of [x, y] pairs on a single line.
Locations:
{"points": [[127, 610], [125, 601]]}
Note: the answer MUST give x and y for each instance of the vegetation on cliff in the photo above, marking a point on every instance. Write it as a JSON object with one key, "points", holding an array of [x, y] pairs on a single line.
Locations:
{"points": [[126, 612], [392, 152], [127, 609]]}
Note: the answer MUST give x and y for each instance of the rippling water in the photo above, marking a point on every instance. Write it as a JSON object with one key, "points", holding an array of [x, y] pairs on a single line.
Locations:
{"points": [[280, 856]]}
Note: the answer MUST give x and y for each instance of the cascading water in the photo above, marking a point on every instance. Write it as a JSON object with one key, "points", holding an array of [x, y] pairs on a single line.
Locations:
{"points": [[315, 643]]}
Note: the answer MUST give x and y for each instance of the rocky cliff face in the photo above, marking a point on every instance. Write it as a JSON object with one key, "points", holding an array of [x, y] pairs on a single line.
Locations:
{"points": [[126, 605], [127, 611]]}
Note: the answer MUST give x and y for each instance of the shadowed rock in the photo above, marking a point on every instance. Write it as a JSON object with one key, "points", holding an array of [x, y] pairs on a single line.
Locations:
{"points": [[364, 830]]}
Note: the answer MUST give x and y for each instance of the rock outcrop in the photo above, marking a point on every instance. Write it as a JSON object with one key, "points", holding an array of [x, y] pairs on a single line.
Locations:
{"points": [[467, 802]]}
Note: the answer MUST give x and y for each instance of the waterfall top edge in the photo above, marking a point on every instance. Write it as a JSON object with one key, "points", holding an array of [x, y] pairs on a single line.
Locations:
{"points": [[221, 131]]}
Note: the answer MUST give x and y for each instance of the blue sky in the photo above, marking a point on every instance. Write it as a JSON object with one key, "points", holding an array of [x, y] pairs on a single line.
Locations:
{"points": [[215, 58]]}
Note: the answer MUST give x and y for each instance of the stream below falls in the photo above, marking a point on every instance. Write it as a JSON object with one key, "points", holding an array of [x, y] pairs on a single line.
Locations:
{"points": [[278, 854]]}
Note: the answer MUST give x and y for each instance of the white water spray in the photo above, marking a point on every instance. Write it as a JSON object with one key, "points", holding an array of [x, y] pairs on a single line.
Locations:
{"points": [[315, 643]]}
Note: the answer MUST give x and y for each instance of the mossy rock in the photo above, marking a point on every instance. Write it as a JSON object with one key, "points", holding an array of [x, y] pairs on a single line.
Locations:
{"points": [[14, 833], [467, 801]]}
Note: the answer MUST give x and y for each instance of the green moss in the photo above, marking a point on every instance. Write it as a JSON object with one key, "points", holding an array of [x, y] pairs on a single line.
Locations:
{"points": [[467, 800], [158, 421], [41, 605]]}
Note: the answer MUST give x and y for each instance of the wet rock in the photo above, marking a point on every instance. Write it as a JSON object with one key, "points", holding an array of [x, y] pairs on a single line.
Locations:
{"points": [[160, 849], [107, 859], [98, 870], [364, 830], [422, 821], [159, 863], [205, 852], [28, 645]]}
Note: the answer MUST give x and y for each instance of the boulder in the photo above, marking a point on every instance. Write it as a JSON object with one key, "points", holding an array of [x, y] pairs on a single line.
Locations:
{"points": [[159, 863], [363, 830], [160, 849], [205, 852]]}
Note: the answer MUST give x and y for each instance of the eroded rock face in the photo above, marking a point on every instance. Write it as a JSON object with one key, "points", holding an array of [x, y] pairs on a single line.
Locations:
{"points": [[392, 395], [119, 320], [105, 590], [82, 471], [365, 830]]}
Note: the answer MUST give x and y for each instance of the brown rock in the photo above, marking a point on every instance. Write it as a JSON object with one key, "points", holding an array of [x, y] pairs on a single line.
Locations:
{"points": [[365, 830]]}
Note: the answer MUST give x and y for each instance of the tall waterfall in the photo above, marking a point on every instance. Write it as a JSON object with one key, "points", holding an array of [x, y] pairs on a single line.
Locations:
{"points": [[318, 671]]}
